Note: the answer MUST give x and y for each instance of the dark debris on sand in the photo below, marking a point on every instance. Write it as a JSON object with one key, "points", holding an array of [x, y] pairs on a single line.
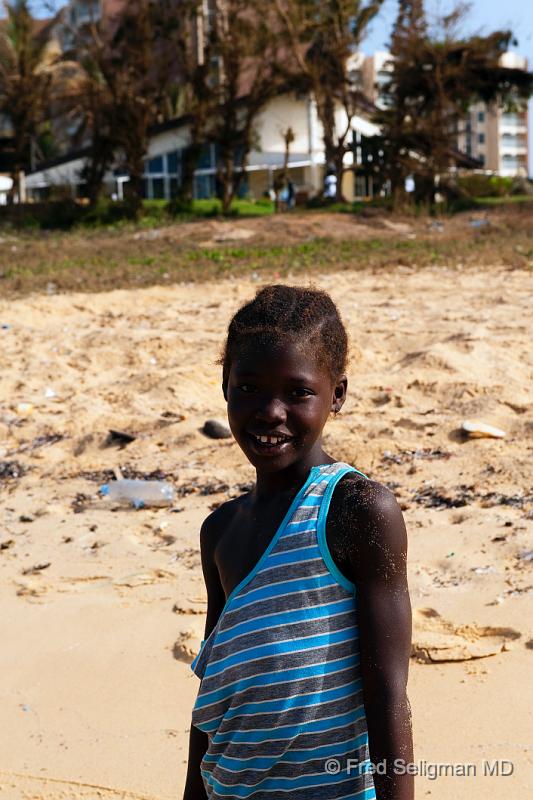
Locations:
{"points": [[10, 470], [40, 441], [426, 453], [80, 502], [432, 497], [107, 475]]}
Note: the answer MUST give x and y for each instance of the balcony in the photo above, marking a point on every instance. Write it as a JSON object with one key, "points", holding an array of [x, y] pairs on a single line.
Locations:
{"points": [[513, 145], [513, 123], [511, 165]]}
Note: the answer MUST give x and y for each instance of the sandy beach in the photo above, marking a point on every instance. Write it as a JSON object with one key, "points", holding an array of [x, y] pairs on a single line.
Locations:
{"points": [[103, 607]]}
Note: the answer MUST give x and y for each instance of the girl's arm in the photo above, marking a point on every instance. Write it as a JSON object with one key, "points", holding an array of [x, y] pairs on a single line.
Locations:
{"points": [[194, 785], [376, 548], [216, 599]]}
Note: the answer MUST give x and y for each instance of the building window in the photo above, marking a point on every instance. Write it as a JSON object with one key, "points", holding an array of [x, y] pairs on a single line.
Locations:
{"points": [[481, 138], [206, 160], [510, 119], [155, 165], [174, 162], [204, 186], [509, 162], [158, 188], [481, 116]]}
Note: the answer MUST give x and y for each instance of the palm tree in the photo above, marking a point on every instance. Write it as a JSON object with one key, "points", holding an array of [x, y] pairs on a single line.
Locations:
{"points": [[323, 35], [26, 67]]}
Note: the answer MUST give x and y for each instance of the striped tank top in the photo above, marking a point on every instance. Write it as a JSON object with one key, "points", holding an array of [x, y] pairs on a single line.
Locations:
{"points": [[280, 697]]}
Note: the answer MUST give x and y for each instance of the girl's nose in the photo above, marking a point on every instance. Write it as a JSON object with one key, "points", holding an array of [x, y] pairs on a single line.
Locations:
{"points": [[271, 410]]}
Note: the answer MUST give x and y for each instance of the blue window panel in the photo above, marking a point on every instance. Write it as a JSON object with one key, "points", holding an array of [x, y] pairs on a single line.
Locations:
{"points": [[173, 162], [204, 187], [205, 160], [155, 165], [158, 188], [243, 189]]}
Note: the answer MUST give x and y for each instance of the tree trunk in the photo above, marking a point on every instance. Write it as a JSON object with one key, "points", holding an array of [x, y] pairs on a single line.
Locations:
{"points": [[190, 156], [94, 173], [133, 190], [339, 172], [226, 178]]}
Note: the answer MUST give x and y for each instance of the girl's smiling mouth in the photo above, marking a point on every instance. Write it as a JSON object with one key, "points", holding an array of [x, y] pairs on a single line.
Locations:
{"points": [[272, 442]]}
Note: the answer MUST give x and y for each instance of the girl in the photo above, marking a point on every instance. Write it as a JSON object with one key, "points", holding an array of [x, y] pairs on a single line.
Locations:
{"points": [[304, 663]]}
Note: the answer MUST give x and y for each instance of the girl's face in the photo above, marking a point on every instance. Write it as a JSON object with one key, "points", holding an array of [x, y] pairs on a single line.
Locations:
{"points": [[279, 399]]}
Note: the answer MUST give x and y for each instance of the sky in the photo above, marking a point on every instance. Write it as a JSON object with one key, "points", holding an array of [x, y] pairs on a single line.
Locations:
{"points": [[484, 16]]}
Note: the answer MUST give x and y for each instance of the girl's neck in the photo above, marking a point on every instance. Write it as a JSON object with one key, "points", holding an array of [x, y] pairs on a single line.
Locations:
{"points": [[292, 478]]}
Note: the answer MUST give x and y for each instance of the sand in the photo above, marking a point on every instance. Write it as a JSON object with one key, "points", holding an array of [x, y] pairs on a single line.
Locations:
{"points": [[103, 609]]}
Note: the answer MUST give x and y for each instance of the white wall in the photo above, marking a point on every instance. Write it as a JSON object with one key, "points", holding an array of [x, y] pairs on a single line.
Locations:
{"points": [[290, 110], [168, 141], [281, 113], [62, 175]]}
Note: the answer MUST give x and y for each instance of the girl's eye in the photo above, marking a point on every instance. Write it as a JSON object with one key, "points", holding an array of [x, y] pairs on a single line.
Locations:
{"points": [[246, 387], [301, 392]]}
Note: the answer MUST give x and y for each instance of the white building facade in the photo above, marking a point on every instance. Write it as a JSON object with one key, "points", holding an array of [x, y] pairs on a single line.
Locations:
{"points": [[162, 176], [499, 139]]}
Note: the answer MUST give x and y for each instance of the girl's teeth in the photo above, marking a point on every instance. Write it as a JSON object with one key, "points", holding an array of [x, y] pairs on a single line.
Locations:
{"points": [[270, 439]]}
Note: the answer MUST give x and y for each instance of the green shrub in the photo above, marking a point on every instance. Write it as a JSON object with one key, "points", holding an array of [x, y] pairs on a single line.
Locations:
{"points": [[475, 185]]}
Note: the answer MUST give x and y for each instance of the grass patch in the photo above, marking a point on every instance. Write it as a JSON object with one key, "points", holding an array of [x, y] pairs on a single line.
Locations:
{"points": [[110, 215], [505, 201], [94, 260]]}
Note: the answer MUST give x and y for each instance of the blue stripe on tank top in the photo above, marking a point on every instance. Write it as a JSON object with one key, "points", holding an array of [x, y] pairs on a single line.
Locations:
{"points": [[318, 780], [272, 678], [310, 609], [285, 732], [292, 557], [284, 618], [265, 592], [337, 749], [288, 703], [291, 646]]}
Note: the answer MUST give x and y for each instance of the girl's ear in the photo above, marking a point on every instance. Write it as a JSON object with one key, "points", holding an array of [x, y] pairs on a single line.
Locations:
{"points": [[339, 394]]}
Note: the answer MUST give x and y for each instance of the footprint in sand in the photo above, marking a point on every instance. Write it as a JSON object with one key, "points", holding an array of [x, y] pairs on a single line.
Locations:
{"points": [[187, 645], [144, 578], [190, 605], [23, 786], [31, 590], [436, 639]]}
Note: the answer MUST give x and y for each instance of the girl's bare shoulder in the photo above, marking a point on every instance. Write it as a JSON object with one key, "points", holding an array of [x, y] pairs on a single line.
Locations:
{"points": [[219, 519], [365, 517], [357, 495]]}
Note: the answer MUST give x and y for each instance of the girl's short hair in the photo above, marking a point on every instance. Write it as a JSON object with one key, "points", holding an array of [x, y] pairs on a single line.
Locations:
{"points": [[279, 312]]}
